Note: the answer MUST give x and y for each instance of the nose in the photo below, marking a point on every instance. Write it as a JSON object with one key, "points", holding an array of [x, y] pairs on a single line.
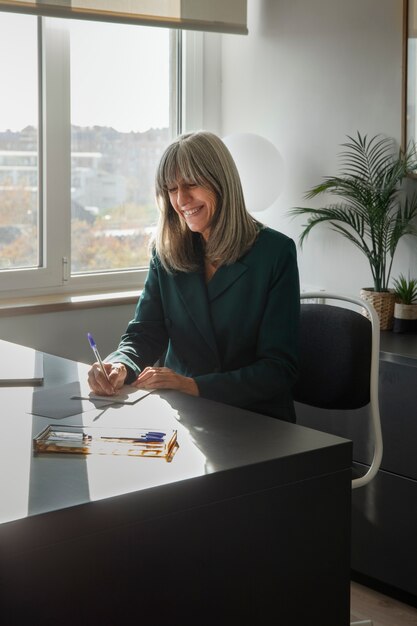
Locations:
{"points": [[183, 195]]}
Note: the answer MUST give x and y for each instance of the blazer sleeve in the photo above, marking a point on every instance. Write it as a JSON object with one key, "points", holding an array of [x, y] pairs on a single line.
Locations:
{"points": [[274, 370], [146, 338]]}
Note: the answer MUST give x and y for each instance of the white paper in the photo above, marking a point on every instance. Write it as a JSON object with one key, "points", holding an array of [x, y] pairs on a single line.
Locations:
{"points": [[128, 394]]}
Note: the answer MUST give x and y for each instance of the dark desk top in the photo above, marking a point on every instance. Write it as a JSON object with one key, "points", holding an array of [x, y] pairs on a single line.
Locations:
{"points": [[399, 347], [223, 452]]}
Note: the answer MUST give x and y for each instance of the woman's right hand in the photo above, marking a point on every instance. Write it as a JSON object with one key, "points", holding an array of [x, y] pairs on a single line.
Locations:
{"points": [[98, 382]]}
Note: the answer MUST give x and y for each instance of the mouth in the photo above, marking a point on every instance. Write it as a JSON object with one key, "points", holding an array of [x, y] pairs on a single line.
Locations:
{"points": [[191, 212]]}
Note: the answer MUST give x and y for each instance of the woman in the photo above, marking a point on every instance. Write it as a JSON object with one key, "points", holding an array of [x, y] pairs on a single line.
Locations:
{"points": [[221, 300]]}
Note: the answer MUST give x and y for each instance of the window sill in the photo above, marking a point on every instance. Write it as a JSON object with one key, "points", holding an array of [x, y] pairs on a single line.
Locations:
{"points": [[53, 303]]}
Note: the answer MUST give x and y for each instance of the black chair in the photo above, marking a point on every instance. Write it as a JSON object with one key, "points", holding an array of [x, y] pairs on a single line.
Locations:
{"points": [[339, 364]]}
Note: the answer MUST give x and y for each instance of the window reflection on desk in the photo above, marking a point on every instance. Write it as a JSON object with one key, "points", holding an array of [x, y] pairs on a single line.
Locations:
{"points": [[109, 476]]}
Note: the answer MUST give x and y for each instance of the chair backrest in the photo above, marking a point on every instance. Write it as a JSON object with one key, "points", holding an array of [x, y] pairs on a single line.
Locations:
{"points": [[339, 361], [335, 357]]}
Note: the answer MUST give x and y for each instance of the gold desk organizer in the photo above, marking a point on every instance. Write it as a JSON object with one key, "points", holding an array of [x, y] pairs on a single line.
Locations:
{"points": [[142, 442]]}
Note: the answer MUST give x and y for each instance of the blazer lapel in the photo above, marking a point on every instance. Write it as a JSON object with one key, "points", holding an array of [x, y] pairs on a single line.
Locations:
{"points": [[224, 278], [193, 293]]}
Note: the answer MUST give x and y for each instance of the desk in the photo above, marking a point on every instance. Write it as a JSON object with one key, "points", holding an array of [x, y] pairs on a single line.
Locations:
{"points": [[249, 524]]}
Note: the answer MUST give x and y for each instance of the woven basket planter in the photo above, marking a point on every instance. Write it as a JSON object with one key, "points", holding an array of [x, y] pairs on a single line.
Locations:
{"points": [[383, 302], [405, 318]]}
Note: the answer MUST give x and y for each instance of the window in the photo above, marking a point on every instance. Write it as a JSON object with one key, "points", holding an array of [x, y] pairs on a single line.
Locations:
{"points": [[77, 204], [19, 193], [120, 112]]}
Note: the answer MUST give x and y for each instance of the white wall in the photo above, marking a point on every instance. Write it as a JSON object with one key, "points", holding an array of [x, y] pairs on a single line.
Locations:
{"points": [[308, 74], [65, 333]]}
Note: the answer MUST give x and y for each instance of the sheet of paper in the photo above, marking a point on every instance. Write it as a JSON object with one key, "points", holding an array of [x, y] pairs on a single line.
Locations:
{"points": [[126, 395], [59, 402], [19, 365]]}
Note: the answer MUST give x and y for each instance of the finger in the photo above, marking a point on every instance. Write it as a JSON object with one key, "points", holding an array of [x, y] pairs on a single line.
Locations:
{"points": [[158, 378], [146, 378], [147, 374], [150, 384], [92, 380], [98, 381], [117, 375]]}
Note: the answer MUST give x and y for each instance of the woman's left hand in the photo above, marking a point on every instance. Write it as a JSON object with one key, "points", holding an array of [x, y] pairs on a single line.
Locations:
{"points": [[165, 378]]}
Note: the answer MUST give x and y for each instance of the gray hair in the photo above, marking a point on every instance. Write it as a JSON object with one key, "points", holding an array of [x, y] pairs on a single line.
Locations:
{"points": [[201, 158]]}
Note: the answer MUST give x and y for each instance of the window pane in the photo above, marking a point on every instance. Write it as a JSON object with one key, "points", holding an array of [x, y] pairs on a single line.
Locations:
{"points": [[19, 240], [120, 112]]}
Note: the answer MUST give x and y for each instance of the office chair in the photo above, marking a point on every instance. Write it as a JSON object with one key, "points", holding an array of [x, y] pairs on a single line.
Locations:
{"points": [[339, 365]]}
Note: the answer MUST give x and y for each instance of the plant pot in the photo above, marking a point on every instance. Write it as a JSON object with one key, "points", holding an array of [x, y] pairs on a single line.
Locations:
{"points": [[383, 302], [405, 318]]}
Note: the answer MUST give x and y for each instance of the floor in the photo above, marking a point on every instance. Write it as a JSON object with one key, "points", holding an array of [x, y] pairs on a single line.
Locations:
{"points": [[382, 610]]}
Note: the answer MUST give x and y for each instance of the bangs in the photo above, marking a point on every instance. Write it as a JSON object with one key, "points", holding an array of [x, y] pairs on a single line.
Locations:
{"points": [[178, 164]]}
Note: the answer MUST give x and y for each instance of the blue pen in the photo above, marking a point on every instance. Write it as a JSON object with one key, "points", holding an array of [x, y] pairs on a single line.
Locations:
{"points": [[97, 355], [147, 437]]}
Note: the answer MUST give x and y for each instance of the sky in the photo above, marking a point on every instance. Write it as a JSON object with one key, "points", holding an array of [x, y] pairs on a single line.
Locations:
{"points": [[119, 74]]}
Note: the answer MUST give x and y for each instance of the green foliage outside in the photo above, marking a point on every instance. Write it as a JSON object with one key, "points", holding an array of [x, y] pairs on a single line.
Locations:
{"points": [[108, 244], [97, 246], [18, 227]]}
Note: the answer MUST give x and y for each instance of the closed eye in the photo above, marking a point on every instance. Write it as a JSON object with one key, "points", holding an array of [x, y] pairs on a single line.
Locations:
{"points": [[183, 186]]}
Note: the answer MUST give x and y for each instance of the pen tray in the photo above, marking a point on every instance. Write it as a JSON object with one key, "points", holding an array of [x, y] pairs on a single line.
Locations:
{"points": [[100, 440]]}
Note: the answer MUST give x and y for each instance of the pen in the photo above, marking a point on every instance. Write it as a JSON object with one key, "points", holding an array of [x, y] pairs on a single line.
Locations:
{"points": [[147, 439], [97, 355], [150, 436]]}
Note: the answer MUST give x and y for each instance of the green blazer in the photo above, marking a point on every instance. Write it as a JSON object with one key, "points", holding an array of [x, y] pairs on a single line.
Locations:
{"points": [[236, 336]]}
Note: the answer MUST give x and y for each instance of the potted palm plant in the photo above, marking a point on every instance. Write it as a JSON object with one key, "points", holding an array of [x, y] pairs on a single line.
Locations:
{"points": [[372, 209], [405, 310]]}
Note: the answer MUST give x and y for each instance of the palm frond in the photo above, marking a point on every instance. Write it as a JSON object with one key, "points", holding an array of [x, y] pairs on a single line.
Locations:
{"points": [[402, 223], [358, 194], [373, 213], [359, 243], [334, 213], [364, 158]]}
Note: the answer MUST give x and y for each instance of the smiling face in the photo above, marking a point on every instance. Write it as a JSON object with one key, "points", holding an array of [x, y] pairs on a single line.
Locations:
{"points": [[194, 204]]}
